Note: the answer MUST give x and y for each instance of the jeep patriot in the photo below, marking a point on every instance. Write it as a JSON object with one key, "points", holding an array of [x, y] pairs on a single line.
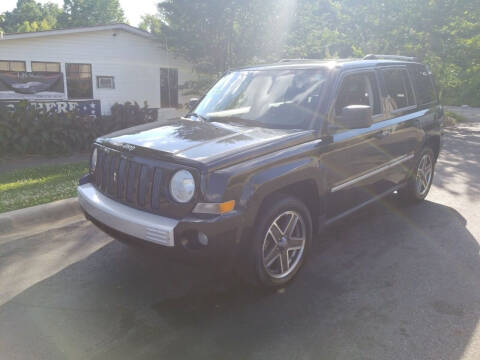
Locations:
{"points": [[267, 158]]}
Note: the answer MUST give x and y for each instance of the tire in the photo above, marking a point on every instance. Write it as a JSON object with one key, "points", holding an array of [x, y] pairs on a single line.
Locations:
{"points": [[276, 253], [420, 180]]}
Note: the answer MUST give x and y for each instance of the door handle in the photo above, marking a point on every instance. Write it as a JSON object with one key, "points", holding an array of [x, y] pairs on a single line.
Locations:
{"points": [[383, 133]]}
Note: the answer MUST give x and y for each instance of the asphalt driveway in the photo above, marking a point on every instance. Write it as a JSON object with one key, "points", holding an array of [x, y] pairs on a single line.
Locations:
{"points": [[388, 283]]}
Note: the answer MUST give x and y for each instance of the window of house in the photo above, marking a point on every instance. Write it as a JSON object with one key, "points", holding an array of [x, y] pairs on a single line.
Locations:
{"points": [[39, 66], [424, 88], [79, 81], [168, 87], [8, 65], [399, 89], [358, 89], [105, 82]]}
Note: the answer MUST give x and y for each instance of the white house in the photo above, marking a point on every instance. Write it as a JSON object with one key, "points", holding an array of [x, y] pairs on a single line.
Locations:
{"points": [[64, 69]]}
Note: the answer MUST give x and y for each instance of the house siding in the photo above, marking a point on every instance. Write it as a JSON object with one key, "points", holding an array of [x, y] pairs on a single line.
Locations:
{"points": [[134, 61]]}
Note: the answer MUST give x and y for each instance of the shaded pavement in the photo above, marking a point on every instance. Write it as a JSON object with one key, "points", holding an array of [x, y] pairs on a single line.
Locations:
{"points": [[390, 282]]}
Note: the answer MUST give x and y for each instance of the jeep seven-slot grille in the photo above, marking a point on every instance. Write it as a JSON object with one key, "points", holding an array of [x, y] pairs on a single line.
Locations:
{"points": [[128, 181]]}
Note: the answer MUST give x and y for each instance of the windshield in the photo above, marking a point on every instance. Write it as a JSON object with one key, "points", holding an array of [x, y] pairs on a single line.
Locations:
{"points": [[271, 98]]}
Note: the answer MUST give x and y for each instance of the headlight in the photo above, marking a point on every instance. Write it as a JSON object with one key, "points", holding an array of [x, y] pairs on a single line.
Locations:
{"points": [[93, 162], [182, 186]]}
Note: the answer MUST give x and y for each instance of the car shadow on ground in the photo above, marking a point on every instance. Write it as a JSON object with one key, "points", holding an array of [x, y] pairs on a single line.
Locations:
{"points": [[387, 283]]}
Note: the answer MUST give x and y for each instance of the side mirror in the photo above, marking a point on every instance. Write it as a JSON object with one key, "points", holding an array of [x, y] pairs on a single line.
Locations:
{"points": [[355, 117], [192, 103]]}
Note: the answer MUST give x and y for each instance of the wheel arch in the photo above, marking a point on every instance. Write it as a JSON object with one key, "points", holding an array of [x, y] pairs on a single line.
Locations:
{"points": [[307, 192]]}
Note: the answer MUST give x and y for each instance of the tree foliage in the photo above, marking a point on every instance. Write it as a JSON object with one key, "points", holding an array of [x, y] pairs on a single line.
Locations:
{"points": [[78, 13], [151, 23], [218, 34], [444, 34], [214, 34], [30, 15]]}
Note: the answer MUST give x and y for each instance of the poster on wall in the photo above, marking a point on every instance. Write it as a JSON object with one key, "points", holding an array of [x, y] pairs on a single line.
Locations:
{"points": [[31, 86]]}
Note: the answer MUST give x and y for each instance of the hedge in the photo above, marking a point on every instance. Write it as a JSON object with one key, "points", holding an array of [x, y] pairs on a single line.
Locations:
{"points": [[26, 130]]}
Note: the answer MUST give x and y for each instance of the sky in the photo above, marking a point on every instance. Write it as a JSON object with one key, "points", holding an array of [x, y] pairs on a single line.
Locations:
{"points": [[133, 9]]}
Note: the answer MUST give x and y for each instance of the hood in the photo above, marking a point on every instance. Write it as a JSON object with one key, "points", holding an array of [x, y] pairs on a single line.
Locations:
{"points": [[197, 140]]}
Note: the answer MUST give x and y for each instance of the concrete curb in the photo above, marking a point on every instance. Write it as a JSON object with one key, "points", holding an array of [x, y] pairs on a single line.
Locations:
{"points": [[36, 215]]}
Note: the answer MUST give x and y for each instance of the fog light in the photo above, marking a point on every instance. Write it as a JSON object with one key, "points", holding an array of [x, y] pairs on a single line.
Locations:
{"points": [[202, 239], [184, 241]]}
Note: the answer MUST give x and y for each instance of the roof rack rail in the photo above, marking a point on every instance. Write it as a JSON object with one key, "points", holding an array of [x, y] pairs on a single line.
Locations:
{"points": [[295, 60], [389, 57]]}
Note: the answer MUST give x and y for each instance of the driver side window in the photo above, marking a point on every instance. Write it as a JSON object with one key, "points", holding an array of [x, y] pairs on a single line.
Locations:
{"points": [[358, 89]]}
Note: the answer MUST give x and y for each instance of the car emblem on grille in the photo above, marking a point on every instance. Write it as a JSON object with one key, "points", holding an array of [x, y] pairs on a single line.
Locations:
{"points": [[128, 147]]}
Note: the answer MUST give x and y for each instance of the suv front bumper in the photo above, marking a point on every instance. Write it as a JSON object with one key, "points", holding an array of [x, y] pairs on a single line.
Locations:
{"points": [[127, 220], [155, 228]]}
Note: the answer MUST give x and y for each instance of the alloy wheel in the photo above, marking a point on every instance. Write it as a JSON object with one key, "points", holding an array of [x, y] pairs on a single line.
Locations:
{"points": [[424, 174], [284, 244]]}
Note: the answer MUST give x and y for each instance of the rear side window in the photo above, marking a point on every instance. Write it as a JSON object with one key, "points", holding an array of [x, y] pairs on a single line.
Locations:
{"points": [[424, 88], [399, 89]]}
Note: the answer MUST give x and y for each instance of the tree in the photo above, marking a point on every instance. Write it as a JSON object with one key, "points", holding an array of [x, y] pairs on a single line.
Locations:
{"points": [[152, 24], [77, 13], [218, 34], [214, 34], [30, 15], [443, 34]]}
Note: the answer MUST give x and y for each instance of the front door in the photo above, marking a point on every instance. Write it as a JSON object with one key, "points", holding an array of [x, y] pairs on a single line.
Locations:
{"points": [[168, 88], [354, 157]]}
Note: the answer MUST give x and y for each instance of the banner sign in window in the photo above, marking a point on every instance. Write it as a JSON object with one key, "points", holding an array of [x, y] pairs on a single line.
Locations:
{"points": [[81, 107], [31, 86]]}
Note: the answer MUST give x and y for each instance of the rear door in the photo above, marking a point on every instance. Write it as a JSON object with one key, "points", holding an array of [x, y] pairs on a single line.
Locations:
{"points": [[402, 132]]}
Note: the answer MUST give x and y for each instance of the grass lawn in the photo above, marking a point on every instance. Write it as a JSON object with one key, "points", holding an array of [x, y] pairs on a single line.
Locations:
{"points": [[39, 185]]}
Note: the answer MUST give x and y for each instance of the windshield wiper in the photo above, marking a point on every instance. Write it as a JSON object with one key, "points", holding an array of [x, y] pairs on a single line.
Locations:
{"points": [[197, 116], [238, 120]]}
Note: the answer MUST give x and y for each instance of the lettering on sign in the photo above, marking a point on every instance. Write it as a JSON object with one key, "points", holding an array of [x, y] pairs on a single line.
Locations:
{"points": [[82, 107]]}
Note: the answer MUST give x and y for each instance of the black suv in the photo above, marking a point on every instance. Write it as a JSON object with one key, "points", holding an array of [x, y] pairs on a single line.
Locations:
{"points": [[268, 157]]}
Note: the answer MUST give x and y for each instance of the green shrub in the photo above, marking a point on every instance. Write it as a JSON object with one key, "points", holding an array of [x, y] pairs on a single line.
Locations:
{"points": [[127, 115], [27, 130], [452, 119]]}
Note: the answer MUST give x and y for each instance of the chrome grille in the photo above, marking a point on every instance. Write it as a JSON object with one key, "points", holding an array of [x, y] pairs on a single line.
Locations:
{"points": [[129, 181]]}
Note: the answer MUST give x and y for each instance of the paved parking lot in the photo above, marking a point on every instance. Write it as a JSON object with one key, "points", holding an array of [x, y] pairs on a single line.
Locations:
{"points": [[387, 283]]}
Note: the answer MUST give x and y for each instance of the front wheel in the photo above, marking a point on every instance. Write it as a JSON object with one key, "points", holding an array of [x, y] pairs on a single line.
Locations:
{"points": [[421, 178], [281, 241]]}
